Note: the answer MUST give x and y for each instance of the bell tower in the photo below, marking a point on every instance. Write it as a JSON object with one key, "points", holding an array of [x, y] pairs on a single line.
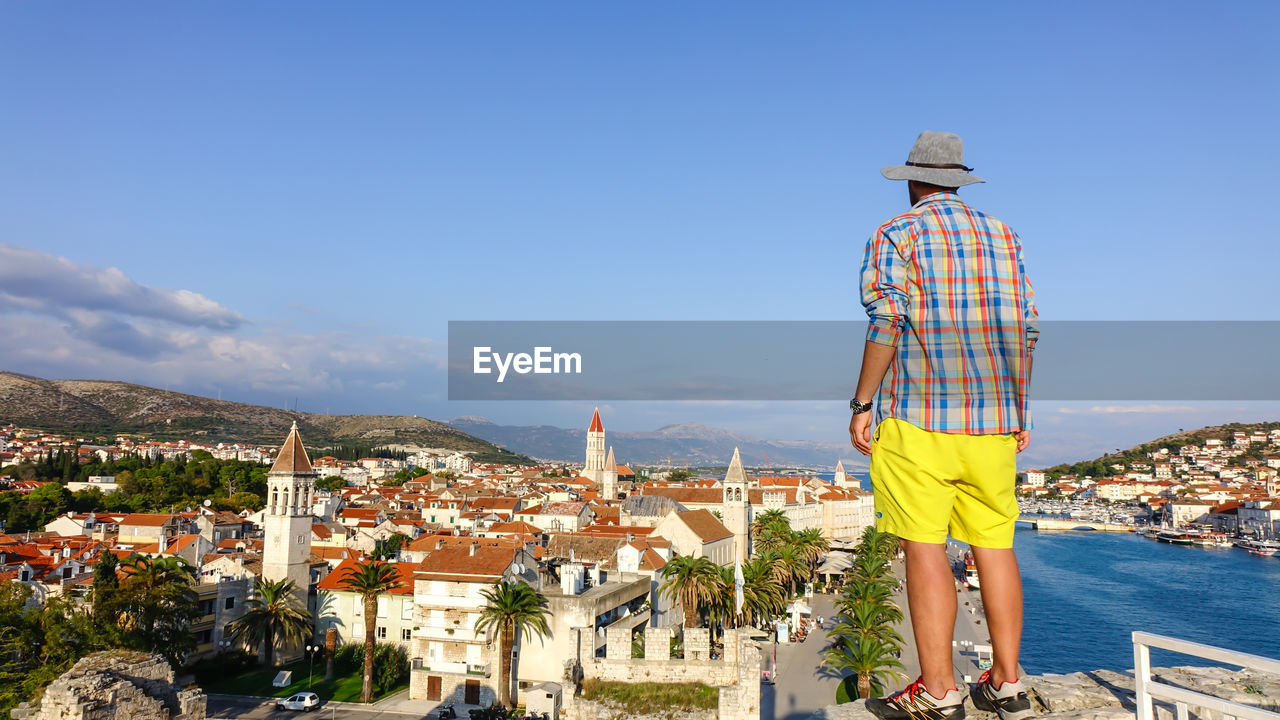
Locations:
{"points": [[737, 508], [594, 466], [291, 484]]}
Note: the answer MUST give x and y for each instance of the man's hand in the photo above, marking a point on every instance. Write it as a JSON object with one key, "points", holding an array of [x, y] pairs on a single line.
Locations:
{"points": [[1024, 439], [860, 432]]}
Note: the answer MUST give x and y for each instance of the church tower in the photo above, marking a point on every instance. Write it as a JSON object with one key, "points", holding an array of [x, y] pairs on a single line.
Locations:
{"points": [[841, 479], [609, 479], [286, 553], [737, 507], [595, 464]]}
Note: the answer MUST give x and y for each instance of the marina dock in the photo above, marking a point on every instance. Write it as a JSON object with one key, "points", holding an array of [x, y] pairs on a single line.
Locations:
{"points": [[1048, 523]]}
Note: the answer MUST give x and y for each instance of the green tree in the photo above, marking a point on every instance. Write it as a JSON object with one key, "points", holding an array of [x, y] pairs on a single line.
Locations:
{"points": [[695, 582], [872, 661], [157, 604], [771, 531], [811, 546], [332, 483], [389, 548], [369, 580], [513, 610], [106, 585], [273, 613]]}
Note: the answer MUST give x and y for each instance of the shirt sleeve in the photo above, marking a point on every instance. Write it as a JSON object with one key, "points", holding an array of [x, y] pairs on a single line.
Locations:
{"points": [[1030, 315], [883, 285]]}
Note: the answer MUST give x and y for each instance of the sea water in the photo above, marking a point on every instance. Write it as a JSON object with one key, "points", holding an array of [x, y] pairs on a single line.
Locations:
{"points": [[1085, 592]]}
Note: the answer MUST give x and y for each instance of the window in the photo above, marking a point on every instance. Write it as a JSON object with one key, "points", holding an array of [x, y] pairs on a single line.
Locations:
{"points": [[383, 601], [406, 609], [406, 634], [229, 604], [382, 632], [204, 637]]}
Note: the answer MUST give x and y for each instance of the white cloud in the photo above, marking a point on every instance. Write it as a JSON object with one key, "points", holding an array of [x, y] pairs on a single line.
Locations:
{"points": [[1125, 409], [35, 282], [61, 319]]}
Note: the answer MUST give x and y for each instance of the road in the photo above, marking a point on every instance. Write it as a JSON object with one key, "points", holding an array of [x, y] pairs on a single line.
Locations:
{"points": [[803, 686], [251, 708]]}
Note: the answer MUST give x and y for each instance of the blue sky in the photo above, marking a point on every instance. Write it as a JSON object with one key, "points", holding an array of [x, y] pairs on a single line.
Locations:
{"points": [[296, 198]]}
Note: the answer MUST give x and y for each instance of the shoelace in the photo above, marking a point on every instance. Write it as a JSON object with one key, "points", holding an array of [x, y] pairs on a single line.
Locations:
{"points": [[909, 699], [985, 679]]}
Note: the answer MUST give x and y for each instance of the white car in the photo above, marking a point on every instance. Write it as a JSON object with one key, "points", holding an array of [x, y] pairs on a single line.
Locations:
{"points": [[302, 701]]}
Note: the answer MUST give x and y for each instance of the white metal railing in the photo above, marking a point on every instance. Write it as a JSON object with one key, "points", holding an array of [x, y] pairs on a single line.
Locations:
{"points": [[1149, 689]]}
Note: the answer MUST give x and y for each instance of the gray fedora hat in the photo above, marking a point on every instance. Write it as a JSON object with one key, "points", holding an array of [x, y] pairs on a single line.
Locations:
{"points": [[937, 158]]}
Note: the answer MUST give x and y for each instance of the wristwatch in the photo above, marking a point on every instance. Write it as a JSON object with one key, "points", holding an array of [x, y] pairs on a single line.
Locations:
{"points": [[858, 407]]}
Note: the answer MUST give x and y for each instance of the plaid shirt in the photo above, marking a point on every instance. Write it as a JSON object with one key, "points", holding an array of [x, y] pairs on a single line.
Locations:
{"points": [[944, 284]]}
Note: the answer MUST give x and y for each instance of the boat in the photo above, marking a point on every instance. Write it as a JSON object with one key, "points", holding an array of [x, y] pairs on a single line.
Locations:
{"points": [[970, 569], [1177, 537], [1265, 548]]}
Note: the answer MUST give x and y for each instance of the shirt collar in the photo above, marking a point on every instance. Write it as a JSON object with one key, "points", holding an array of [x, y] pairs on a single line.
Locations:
{"points": [[938, 197]]}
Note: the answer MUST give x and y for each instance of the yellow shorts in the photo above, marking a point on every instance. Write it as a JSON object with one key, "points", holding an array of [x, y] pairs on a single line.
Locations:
{"points": [[928, 483]]}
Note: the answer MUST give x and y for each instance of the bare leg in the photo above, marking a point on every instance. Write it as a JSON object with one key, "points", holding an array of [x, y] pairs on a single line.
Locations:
{"points": [[1001, 586], [931, 595]]}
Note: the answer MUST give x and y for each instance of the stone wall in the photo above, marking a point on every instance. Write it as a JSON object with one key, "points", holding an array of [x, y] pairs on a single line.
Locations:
{"points": [[1107, 695], [116, 685], [737, 675]]}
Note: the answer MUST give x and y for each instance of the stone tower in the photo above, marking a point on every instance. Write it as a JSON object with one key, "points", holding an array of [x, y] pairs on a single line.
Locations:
{"points": [[737, 507], [595, 464], [841, 479], [609, 478], [291, 483]]}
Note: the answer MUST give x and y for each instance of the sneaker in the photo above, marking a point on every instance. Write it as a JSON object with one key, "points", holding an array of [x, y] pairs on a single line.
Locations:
{"points": [[1009, 701], [915, 703]]}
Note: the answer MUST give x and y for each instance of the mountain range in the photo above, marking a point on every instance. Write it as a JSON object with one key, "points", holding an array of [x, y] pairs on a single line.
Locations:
{"points": [[110, 408], [693, 444]]}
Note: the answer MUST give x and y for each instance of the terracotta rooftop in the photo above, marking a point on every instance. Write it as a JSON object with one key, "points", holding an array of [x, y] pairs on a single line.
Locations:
{"points": [[596, 425], [146, 519], [333, 581], [704, 525], [478, 564], [293, 456]]}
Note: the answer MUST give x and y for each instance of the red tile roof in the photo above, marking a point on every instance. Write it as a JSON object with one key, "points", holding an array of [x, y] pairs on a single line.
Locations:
{"points": [[333, 581]]}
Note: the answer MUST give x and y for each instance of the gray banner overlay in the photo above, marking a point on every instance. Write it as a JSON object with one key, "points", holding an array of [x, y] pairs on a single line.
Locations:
{"points": [[819, 360]]}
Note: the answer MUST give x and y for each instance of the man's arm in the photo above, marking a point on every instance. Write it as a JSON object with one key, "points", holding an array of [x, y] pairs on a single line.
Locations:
{"points": [[884, 295], [876, 358]]}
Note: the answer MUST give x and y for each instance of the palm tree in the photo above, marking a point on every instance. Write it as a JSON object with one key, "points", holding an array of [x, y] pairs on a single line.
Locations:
{"points": [[513, 609], [812, 546], [273, 613], [867, 567], [878, 543], [866, 610], [369, 580], [771, 530], [156, 604], [788, 568], [762, 596], [870, 659], [695, 582]]}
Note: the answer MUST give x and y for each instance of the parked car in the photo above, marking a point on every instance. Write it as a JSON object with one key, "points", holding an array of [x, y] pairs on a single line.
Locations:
{"points": [[302, 701]]}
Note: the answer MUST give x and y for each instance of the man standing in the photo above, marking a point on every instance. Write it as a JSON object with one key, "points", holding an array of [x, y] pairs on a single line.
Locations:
{"points": [[947, 363]]}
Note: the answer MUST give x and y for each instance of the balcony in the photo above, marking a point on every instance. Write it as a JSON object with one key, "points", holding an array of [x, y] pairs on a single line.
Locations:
{"points": [[448, 632], [451, 668]]}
